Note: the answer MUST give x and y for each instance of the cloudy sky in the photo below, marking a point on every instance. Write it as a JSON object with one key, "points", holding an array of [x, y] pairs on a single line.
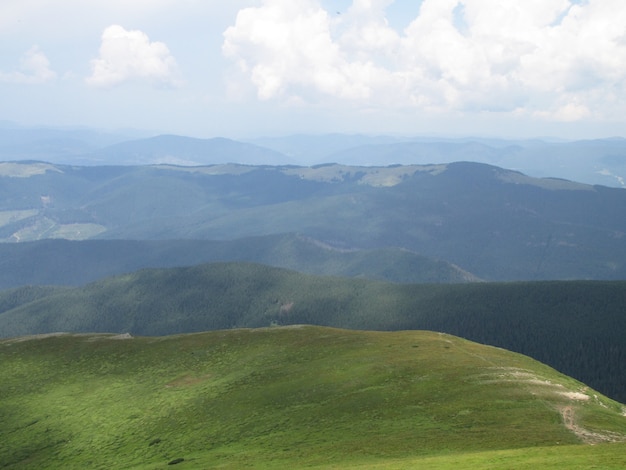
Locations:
{"points": [[246, 68]]}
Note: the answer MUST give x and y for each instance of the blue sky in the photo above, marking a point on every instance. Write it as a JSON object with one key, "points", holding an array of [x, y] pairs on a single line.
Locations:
{"points": [[507, 68]]}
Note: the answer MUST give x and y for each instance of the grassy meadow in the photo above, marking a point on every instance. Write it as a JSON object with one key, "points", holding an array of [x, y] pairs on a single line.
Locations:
{"points": [[294, 397]]}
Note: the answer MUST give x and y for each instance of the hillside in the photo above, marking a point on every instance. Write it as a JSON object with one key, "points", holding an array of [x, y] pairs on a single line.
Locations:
{"points": [[575, 326], [75, 262], [294, 397], [496, 224]]}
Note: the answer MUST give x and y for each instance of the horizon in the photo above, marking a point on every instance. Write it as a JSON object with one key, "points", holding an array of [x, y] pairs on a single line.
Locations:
{"points": [[129, 134], [249, 69]]}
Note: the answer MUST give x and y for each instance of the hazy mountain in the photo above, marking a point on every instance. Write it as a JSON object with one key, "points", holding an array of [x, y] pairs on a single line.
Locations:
{"points": [[601, 161], [178, 150], [64, 262], [577, 327], [593, 162], [93, 147], [420, 153], [317, 149], [56, 145]]}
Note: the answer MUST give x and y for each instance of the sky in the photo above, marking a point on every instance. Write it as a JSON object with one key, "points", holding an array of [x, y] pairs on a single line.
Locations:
{"points": [[245, 68]]}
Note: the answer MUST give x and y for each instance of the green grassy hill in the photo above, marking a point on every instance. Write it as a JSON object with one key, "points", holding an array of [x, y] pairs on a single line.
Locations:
{"points": [[578, 327], [292, 398]]}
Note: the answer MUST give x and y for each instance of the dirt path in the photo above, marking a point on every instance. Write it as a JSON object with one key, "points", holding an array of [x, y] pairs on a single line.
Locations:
{"points": [[588, 437]]}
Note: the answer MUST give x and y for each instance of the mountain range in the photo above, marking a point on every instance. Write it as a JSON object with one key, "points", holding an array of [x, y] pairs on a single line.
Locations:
{"points": [[197, 281], [601, 161], [494, 223]]}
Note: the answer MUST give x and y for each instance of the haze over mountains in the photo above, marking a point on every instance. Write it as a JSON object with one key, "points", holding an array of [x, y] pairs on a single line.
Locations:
{"points": [[601, 161]]}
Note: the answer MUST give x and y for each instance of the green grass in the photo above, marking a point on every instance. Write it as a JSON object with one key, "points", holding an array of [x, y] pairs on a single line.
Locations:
{"points": [[604, 457], [283, 398]]}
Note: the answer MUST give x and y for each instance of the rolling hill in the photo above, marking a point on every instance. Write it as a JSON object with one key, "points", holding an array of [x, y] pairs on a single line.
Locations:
{"points": [[575, 326], [294, 397], [496, 224]]}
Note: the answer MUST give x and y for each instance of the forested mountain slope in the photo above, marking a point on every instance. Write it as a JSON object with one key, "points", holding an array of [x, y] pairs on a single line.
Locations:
{"points": [[73, 262], [578, 327], [494, 223]]}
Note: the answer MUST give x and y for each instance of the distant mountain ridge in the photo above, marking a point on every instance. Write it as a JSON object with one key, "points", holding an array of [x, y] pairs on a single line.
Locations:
{"points": [[494, 223], [187, 151], [597, 161]]}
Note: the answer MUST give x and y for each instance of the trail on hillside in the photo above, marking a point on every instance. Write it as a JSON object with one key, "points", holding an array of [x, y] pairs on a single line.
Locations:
{"points": [[541, 387], [588, 437]]}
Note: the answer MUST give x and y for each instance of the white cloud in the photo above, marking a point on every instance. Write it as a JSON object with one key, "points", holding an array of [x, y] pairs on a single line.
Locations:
{"points": [[288, 43], [34, 68], [129, 55], [558, 59]]}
